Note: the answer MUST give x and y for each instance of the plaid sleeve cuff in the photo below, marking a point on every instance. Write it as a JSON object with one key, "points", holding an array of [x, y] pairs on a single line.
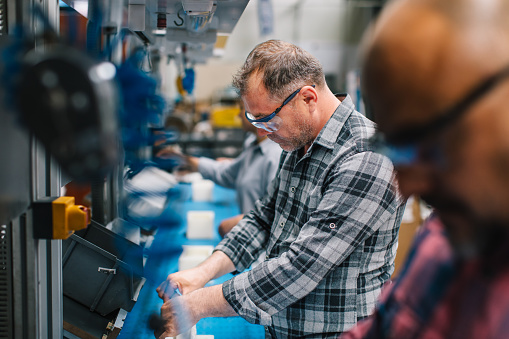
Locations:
{"points": [[241, 303], [243, 245], [237, 253]]}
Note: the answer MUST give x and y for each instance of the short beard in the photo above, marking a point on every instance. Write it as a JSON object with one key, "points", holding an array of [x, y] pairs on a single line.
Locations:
{"points": [[302, 138]]}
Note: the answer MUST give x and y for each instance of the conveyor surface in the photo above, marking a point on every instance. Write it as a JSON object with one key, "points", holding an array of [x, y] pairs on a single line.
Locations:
{"points": [[163, 259]]}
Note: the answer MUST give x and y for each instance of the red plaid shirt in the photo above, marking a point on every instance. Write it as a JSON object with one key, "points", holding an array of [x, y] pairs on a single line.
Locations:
{"points": [[437, 296]]}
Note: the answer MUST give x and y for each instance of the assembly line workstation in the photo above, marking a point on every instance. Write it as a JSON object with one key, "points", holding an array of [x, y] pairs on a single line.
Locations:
{"points": [[177, 246]]}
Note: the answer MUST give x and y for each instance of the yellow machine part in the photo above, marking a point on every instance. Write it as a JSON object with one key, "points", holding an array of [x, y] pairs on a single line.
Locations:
{"points": [[68, 217], [180, 86], [225, 116]]}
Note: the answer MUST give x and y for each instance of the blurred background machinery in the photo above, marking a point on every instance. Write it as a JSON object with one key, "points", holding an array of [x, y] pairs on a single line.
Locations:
{"points": [[79, 102]]}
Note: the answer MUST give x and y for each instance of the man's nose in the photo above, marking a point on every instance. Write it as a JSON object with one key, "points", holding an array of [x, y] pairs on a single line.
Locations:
{"points": [[414, 180]]}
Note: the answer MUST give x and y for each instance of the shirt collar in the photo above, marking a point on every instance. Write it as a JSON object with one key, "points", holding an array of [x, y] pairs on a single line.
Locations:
{"points": [[265, 145], [329, 134]]}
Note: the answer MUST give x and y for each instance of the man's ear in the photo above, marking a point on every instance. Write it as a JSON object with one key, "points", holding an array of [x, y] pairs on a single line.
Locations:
{"points": [[310, 96]]}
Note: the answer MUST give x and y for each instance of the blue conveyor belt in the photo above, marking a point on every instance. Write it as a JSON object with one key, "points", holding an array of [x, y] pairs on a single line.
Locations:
{"points": [[163, 259]]}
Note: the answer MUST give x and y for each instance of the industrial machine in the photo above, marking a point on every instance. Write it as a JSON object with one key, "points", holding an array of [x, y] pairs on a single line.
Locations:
{"points": [[81, 107]]}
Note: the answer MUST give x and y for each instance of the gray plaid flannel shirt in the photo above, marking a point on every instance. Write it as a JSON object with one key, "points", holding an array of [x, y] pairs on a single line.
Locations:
{"points": [[329, 224]]}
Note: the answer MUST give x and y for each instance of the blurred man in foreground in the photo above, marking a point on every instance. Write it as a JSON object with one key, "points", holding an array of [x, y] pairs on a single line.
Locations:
{"points": [[436, 76]]}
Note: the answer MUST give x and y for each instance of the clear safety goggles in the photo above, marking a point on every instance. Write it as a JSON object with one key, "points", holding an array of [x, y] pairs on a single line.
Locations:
{"points": [[271, 122]]}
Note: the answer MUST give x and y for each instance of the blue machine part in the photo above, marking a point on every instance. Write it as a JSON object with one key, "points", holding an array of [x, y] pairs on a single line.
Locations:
{"points": [[188, 80], [141, 106]]}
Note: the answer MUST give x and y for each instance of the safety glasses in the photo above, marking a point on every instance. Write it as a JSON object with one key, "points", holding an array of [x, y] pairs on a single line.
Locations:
{"points": [[271, 122], [404, 148]]}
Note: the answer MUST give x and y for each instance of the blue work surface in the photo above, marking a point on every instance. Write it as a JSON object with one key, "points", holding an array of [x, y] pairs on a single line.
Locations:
{"points": [[163, 259]]}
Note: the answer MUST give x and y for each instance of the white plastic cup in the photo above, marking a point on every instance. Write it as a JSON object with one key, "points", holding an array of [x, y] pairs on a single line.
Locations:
{"points": [[202, 190]]}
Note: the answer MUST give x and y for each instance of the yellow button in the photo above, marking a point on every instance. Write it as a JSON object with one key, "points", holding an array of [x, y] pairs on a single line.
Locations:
{"points": [[282, 224], [292, 189]]}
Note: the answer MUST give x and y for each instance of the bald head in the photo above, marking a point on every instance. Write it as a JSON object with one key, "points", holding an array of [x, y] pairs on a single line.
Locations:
{"points": [[428, 54]]}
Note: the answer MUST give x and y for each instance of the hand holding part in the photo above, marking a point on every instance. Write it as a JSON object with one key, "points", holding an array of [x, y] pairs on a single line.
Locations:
{"points": [[171, 152], [187, 162], [184, 282], [168, 289], [175, 318]]}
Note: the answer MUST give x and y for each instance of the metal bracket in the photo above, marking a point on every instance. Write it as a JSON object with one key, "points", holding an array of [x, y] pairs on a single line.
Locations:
{"points": [[107, 270]]}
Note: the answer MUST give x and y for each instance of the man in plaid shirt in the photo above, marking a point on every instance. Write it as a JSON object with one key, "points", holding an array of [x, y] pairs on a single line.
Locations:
{"points": [[329, 222]]}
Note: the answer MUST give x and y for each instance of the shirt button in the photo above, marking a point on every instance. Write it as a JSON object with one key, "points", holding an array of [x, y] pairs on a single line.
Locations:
{"points": [[266, 257], [282, 224], [292, 189], [332, 225]]}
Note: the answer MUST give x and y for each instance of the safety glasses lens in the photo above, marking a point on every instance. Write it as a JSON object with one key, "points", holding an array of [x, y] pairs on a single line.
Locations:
{"points": [[270, 126], [249, 116]]}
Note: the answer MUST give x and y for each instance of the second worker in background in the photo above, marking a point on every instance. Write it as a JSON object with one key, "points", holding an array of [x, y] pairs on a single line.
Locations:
{"points": [[328, 223], [250, 173]]}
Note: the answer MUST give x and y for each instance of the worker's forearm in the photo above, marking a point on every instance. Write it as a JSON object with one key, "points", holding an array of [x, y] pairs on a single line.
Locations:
{"points": [[193, 163], [210, 302], [215, 266]]}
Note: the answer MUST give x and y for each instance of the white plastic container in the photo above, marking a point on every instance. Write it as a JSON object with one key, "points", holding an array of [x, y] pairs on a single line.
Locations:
{"points": [[200, 224], [202, 190], [194, 255], [191, 334]]}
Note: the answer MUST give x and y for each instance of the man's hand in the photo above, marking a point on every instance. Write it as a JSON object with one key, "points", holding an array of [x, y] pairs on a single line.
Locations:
{"points": [[181, 313], [184, 281], [187, 163], [227, 224], [215, 266], [170, 152], [176, 317]]}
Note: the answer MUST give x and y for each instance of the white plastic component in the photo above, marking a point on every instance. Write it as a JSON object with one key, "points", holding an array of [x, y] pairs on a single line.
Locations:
{"points": [[197, 7], [197, 250], [200, 224], [148, 192], [191, 334], [194, 255], [202, 190], [152, 180], [189, 178]]}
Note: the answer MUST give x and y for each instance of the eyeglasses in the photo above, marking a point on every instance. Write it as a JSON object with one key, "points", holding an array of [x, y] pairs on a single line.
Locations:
{"points": [[402, 148], [271, 123]]}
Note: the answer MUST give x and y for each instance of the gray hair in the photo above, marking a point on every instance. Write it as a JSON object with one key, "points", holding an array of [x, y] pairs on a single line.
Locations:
{"points": [[284, 66]]}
